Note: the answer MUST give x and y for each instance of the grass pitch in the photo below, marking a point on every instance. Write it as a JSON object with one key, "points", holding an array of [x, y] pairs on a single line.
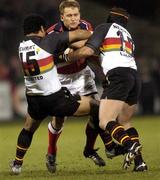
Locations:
{"points": [[71, 163]]}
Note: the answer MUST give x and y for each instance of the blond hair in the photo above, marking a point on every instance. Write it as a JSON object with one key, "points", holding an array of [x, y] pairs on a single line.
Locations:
{"points": [[68, 3]]}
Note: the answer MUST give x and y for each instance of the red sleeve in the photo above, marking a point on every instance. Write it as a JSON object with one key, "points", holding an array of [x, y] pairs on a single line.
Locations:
{"points": [[88, 25], [51, 29]]}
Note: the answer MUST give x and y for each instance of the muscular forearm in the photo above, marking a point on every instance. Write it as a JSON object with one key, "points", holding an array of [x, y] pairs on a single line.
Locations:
{"points": [[78, 44], [78, 35], [83, 34], [80, 53]]}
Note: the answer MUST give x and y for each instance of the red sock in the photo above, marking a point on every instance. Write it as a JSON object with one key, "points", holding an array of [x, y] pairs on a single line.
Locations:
{"points": [[91, 136], [53, 135]]}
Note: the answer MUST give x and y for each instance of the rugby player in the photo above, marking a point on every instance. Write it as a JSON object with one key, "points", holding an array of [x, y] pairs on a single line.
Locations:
{"points": [[44, 93], [122, 84], [79, 79]]}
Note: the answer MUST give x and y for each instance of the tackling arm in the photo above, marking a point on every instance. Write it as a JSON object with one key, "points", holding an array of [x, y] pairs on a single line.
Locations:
{"points": [[78, 44], [92, 45], [78, 35], [80, 53]]}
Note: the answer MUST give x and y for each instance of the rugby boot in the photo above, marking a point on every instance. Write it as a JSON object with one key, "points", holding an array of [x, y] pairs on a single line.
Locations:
{"points": [[15, 168], [93, 155], [51, 162], [116, 151], [130, 155], [140, 167]]}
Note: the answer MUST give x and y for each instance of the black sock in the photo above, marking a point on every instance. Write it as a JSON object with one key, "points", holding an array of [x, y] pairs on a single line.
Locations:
{"points": [[23, 143], [91, 136], [107, 140], [133, 133], [119, 134]]}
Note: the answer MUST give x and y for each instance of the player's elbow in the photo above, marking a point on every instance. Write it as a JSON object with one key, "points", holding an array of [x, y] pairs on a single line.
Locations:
{"points": [[87, 51]]}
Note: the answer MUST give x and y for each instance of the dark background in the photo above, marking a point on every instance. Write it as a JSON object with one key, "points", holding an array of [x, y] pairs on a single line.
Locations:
{"points": [[148, 9]]}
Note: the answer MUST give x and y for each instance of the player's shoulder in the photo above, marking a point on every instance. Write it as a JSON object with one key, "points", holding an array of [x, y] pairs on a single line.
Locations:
{"points": [[51, 28], [84, 24], [85, 21], [57, 27], [104, 26]]}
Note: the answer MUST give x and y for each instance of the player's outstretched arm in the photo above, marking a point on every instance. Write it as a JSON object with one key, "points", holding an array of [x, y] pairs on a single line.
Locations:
{"points": [[92, 45], [80, 53], [78, 35], [78, 44]]}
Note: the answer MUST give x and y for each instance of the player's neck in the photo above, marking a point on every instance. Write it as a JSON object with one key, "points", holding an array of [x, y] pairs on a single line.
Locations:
{"points": [[39, 34]]}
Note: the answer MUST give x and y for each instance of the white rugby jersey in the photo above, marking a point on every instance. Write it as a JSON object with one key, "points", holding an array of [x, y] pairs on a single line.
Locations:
{"points": [[116, 45], [117, 49], [40, 73]]}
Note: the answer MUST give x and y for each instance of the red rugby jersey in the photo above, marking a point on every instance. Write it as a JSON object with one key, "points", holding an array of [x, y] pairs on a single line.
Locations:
{"points": [[76, 66]]}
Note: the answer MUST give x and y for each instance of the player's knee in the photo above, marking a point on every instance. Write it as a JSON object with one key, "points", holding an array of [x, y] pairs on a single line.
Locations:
{"points": [[53, 129], [57, 122], [102, 125], [31, 124]]}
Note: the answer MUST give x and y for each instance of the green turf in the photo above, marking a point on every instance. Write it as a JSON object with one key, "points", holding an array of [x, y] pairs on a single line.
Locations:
{"points": [[71, 163]]}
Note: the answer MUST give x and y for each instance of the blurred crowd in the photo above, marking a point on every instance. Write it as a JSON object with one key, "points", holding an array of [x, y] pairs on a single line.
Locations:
{"points": [[11, 17], [150, 93]]}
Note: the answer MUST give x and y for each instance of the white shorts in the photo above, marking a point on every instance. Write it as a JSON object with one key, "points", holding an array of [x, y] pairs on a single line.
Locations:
{"points": [[81, 83]]}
